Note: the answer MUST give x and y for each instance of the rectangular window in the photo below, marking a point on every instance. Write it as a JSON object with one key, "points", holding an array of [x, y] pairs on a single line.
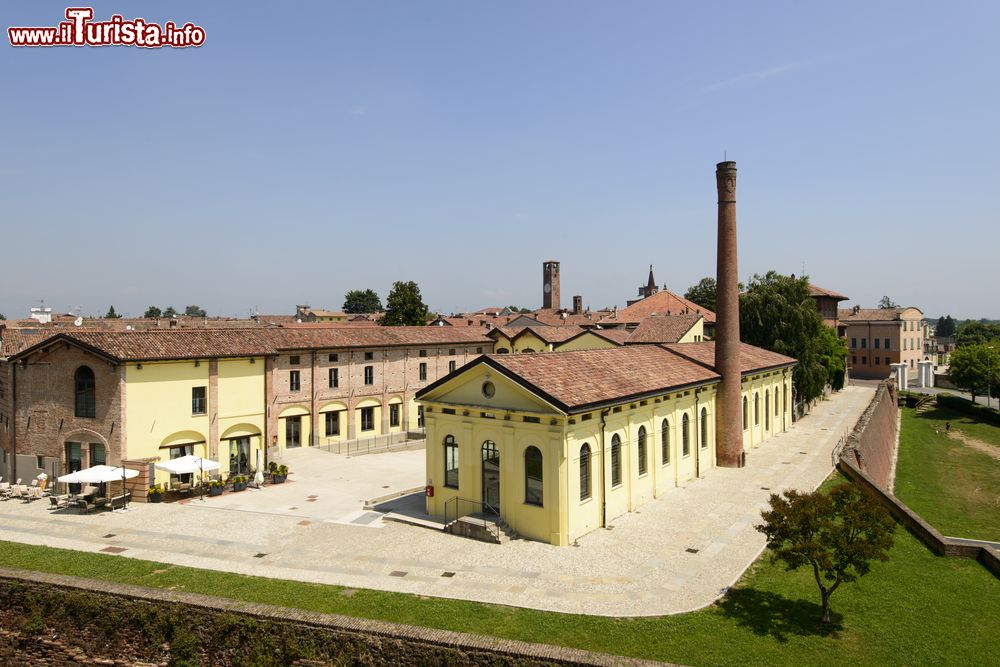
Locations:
{"points": [[369, 375], [334, 378], [333, 423], [887, 343], [293, 360], [368, 419], [878, 360], [854, 359], [479, 350], [451, 366], [40, 462], [333, 358], [422, 353], [294, 383], [864, 343], [199, 400], [394, 415], [887, 362], [877, 341], [854, 342], [423, 371], [420, 416], [452, 352], [369, 356], [864, 361]]}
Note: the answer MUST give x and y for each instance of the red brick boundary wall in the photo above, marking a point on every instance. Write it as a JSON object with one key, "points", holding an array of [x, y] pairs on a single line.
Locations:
{"points": [[872, 442], [867, 460], [913, 522], [50, 619]]}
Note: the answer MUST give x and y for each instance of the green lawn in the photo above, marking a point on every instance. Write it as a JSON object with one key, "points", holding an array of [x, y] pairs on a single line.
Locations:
{"points": [[914, 609], [953, 486]]}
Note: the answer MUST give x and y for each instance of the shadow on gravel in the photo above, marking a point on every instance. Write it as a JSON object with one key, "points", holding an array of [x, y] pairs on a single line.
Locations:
{"points": [[766, 613]]}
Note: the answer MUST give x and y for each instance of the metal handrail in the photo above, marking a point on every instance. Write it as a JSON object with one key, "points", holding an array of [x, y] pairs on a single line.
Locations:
{"points": [[492, 526]]}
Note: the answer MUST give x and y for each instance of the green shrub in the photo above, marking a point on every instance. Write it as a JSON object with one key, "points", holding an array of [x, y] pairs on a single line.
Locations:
{"points": [[965, 406]]}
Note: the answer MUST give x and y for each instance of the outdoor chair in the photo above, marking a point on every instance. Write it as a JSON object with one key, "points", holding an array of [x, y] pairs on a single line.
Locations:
{"points": [[32, 493], [119, 502], [58, 502], [85, 506]]}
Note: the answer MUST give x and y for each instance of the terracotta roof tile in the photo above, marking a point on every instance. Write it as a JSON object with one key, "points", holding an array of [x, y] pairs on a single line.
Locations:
{"points": [[587, 378], [13, 341], [663, 328], [752, 358], [546, 334], [814, 290], [663, 302], [616, 336]]}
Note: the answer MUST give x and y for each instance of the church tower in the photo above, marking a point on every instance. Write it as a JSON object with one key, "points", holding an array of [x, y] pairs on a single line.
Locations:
{"points": [[550, 284]]}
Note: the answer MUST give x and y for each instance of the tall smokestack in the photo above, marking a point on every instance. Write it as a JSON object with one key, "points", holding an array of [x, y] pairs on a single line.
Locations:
{"points": [[728, 404]]}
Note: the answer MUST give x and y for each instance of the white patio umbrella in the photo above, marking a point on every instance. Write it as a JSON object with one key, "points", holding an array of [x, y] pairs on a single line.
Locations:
{"points": [[99, 474], [185, 465], [258, 478]]}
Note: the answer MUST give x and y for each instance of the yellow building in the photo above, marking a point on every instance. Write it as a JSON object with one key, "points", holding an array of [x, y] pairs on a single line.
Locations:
{"points": [[559, 444]]}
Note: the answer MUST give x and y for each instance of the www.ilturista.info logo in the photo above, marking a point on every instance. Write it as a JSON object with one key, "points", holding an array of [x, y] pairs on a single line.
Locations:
{"points": [[80, 30]]}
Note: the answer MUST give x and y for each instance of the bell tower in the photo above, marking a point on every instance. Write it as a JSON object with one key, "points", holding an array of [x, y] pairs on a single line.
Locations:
{"points": [[550, 284]]}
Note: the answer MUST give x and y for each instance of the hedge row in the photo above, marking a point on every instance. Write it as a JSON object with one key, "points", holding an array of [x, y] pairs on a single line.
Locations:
{"points": [[964, 405]]}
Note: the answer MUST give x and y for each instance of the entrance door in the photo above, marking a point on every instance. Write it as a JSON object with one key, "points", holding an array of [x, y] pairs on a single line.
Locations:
{"points": [[74, 462], [293, 432], [491, 478]]}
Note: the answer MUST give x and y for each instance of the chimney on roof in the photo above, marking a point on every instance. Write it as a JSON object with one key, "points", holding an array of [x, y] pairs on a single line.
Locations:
{"points": [[577, 305], [728, 411], [856, 309]]}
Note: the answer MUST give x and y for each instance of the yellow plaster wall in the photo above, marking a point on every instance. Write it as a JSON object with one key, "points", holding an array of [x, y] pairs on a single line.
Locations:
{"points": [[158, 406], [240, 406], [695, 333], [587, 341], [529, 340]]}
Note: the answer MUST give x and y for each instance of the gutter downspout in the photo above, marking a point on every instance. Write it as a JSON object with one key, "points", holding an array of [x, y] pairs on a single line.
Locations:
{"points": [[13, 403], [697, 440], [604, 497]]}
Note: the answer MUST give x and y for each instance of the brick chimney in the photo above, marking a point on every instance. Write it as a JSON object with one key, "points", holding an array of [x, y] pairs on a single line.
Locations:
{"points": [[728, 401], [577, 305]]}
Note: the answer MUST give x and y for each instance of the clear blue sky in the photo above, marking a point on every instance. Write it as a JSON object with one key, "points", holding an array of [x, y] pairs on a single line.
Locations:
{"points": [[344, 145]]}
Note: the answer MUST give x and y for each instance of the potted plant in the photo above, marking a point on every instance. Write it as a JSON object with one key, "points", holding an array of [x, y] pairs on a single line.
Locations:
{"points": [[215, 487], [155, 493], [271, 467], [279, 474], [239, 483]]}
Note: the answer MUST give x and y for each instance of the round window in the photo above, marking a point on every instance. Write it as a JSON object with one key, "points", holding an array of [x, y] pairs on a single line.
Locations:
{"points": [[489, 390]]}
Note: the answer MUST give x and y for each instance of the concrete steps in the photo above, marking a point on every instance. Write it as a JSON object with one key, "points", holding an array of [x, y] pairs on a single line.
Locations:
{"points": [[926, 404], [482, 527]]}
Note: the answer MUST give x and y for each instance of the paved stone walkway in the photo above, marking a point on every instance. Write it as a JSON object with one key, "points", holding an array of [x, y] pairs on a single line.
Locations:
{"points": [[676, 554]]}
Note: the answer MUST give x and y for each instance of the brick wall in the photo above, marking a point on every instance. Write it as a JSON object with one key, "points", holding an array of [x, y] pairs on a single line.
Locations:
{"points": [[48, 619], [872, 443], [45, 417]]}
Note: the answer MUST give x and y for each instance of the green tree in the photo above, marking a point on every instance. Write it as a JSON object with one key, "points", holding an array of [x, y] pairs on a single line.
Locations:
{"points": [[362, 301], [170, 312], [838, 534], [153, 312], [2, 316], [404, 306], [195, 311], [703, 293], [976, 368], [886, 303], [111, 314], [976, 333], [945, 326], [833, 353], [777, 314]]}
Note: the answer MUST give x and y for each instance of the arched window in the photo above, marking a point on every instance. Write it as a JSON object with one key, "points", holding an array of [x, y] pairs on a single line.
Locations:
{"points": [[585, 472], [756, 409], [532, 476], [665, 442], [641, 448], [527, 350], [685, 435], [704, 428], [86, 392], [745, 423], [450, 462], [767, 409], [502, 350], [616, 460]]}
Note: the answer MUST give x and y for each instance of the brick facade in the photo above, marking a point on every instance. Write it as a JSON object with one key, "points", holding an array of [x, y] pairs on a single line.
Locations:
{"points": [[45, 418]]}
